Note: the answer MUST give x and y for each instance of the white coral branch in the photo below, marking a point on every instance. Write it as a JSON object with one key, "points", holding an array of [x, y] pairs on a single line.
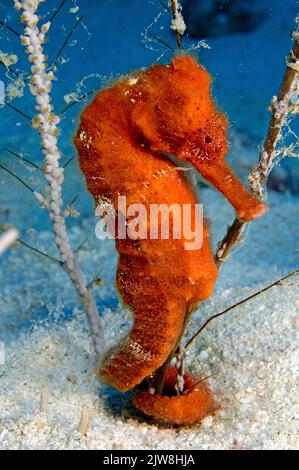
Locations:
{"points": [[46, 123]]}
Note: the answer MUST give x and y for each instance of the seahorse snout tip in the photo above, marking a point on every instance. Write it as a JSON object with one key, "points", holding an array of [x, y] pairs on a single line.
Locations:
{"points": [[255, 211]]}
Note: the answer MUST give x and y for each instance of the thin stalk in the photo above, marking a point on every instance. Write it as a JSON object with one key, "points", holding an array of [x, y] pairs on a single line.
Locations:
{"points": [[72, 103], [164, 5], [57, 10], [160, 376], [156, 38], [10, 172], [241, 302], [39, 252], [204, 379], [68, 162], [21, 158], [66, 41], [26, 245], [19, 111], [9, 28]]}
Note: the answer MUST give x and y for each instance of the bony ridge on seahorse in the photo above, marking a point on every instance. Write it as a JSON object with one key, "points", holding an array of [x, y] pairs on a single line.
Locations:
{"points": [[123, 139]]}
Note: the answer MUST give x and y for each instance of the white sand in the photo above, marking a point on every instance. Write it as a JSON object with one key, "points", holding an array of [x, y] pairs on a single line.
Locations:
{"points": [[254, 350]]}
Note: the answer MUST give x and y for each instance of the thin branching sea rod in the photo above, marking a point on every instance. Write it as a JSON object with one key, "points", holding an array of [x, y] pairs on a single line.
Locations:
{"points": [[171, 395], [46, 123]]}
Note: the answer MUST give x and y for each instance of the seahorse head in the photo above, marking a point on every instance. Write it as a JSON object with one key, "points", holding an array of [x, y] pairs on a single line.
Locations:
{"points": [[176, 112]]}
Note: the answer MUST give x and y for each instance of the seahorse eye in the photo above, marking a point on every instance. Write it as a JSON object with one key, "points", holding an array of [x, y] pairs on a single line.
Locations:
{"points": [[208, 139]]}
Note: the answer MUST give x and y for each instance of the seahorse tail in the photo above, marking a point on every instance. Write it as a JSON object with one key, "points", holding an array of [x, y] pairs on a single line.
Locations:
{"points": [[158, 319], [193, 405]]}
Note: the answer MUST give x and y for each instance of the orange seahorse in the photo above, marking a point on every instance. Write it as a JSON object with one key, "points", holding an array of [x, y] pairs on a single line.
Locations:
{"points": [[123, 141]]}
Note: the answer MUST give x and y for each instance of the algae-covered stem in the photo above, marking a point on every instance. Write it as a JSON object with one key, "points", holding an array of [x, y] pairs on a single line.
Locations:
{"points": [[46, 123], [179, 27], [280, 109]]}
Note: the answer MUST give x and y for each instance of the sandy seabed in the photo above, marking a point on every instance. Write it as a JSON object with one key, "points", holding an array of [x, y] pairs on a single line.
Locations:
{"points": [[253, 351]]}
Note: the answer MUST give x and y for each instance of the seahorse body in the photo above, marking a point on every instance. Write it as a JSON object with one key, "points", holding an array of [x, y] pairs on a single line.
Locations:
{"points": [[122, 140]]}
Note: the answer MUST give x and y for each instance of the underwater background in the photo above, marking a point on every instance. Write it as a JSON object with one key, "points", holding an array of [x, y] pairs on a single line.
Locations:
{"points": [[41, 324]]}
